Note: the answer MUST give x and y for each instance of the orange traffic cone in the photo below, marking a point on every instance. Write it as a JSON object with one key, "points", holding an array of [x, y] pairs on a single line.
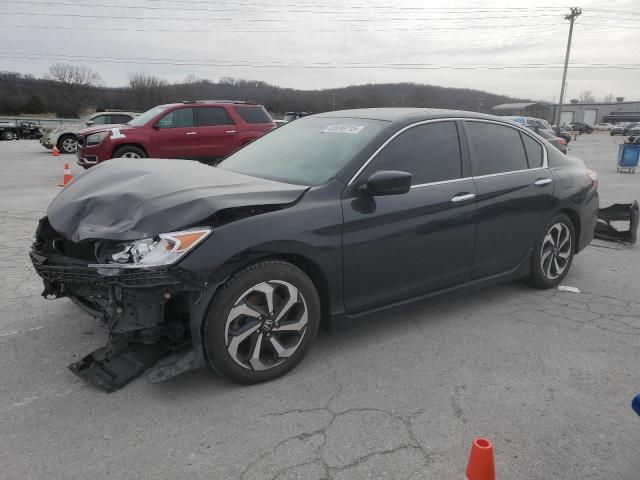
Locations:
{"points": [[480, 466], [67, 176], [55, 152]]}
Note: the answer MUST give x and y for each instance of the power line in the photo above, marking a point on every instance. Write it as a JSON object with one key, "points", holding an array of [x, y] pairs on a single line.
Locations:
{"points": [[287, 30], [249, 20], [320, 66], [290, 63], [343, 7]]}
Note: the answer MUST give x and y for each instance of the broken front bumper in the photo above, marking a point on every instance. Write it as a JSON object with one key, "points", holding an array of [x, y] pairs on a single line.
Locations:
{"points": [[148, 314], [618, 212]]}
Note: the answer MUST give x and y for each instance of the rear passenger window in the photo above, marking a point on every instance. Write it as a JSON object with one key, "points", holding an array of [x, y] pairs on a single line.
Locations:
{"points": [[254, 114], [496, 148], [120, 118], [430, 153], [211, 116], [534, 151]]}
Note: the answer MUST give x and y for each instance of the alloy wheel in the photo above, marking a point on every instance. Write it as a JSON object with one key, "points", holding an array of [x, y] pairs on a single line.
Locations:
{"points": [[130, 155], [556, 251], [266, 325], [69, 145]]}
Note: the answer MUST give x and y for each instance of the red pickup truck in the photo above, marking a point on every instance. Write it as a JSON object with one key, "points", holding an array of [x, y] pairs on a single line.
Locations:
{"points": [[207, 130]]}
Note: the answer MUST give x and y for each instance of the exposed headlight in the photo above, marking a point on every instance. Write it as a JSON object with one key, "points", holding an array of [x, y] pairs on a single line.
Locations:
{"points": [[164, 249], [96, 138]]}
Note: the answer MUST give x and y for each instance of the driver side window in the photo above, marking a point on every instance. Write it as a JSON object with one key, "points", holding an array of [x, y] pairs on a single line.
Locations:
{"points": [[429, 152], [178, 118]]}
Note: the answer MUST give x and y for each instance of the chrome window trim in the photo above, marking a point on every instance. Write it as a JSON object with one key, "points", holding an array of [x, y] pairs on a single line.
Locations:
{"points": [[545, 163]]}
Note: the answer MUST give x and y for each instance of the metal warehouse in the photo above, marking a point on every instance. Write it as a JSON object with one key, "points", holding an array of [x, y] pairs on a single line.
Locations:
{"points": [[590, 113]]}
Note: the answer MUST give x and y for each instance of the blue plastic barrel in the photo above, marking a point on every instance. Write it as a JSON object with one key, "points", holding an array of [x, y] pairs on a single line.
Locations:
{"points": [[628, 155]]}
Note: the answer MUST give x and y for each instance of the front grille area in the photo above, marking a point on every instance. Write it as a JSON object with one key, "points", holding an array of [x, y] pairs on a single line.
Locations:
{"points": [[89, 277]]}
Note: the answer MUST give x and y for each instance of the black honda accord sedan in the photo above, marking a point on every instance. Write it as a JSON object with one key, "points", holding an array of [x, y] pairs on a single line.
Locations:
{"points": [[331, 216]]}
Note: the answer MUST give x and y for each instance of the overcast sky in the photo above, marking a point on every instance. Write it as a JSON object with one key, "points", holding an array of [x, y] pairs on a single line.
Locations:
{"points": [[312, 45]]}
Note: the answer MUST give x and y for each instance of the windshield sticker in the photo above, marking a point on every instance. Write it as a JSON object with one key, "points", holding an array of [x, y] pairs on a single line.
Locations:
{"points": [[115, 133], [343, 129]]}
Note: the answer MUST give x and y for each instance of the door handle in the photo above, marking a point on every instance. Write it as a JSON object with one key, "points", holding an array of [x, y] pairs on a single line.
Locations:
{"points": [[541, 182], [463, 197], [230, 131], [191, 133]]}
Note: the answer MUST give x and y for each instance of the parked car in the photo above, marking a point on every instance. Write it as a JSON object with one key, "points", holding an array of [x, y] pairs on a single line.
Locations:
{"points": [[633, 130], [8, 131], [30, 130], [604, 126], [203, 130], [619, 128], [291, 116], [581, 127], [563, 131], [64, 136], [531, 121], [557, 142], [335, 215]]}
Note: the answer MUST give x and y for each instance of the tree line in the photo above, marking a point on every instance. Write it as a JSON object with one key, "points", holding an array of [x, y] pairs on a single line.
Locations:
{"points": [[68, 90]]}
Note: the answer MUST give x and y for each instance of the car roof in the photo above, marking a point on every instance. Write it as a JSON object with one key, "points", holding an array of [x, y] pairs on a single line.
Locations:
{"points": [[114, 112], [407, 114], [210, 102]]}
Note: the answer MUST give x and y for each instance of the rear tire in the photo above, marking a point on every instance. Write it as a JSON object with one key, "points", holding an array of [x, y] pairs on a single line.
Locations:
{"points": [[129, 152], [7, 135], [553, 253], [261, 322]]}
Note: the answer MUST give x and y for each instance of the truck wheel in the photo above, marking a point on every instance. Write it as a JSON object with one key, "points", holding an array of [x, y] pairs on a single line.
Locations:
{"points": [[7, 135], [261, 322], [68, 144], [129, 152]]}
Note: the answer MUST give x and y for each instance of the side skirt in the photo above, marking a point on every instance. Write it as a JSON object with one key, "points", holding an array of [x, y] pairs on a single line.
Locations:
{"points": [[522, 270]]}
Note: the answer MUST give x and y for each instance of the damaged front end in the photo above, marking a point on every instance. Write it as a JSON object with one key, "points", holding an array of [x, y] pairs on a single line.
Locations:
{"points": [[145, 307], [618, 212]]}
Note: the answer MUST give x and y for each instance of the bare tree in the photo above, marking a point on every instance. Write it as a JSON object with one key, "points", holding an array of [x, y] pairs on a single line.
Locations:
{"points": [[76, 85], [586, 97], [147, 90], [608, 98]]}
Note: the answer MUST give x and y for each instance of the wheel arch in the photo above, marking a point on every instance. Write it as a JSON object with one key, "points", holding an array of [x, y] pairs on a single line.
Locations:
{"points": [[319, 279], [129, 144], [575, 220], [62, 136]]}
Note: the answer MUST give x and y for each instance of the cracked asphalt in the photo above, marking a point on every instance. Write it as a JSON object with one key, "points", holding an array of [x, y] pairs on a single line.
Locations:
{"points": [[547, 376]]}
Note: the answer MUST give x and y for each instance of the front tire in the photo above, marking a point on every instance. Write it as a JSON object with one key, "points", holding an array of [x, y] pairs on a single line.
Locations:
{"points": [[553, 253], [261, 322], [129, 152], [7, 135]]}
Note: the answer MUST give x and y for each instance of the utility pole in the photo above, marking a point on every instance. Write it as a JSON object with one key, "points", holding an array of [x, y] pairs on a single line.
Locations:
{"points": [[575, 13]]}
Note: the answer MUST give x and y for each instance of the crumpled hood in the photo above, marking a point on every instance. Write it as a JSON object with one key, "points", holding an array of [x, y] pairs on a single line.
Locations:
{"points": [[127, 200]]}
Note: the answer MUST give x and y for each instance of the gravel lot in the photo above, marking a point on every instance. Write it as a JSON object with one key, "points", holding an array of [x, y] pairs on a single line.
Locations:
{"points": [[547, 376]]}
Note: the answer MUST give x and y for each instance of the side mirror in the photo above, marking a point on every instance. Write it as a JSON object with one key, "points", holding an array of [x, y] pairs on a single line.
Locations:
{"points": [[89, 123], [155, 126], [388, 182]]}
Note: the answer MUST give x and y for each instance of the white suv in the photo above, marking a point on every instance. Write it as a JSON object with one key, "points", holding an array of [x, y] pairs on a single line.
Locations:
{"points": [[64, 136]]}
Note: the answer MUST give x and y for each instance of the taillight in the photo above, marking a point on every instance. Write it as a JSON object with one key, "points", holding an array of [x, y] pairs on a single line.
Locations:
{"points": [[562, 141], [594, 178]]}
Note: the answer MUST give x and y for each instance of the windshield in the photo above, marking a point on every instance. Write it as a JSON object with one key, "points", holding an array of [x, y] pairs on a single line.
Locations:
{"points": [[143, 118], [308, 151]]}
